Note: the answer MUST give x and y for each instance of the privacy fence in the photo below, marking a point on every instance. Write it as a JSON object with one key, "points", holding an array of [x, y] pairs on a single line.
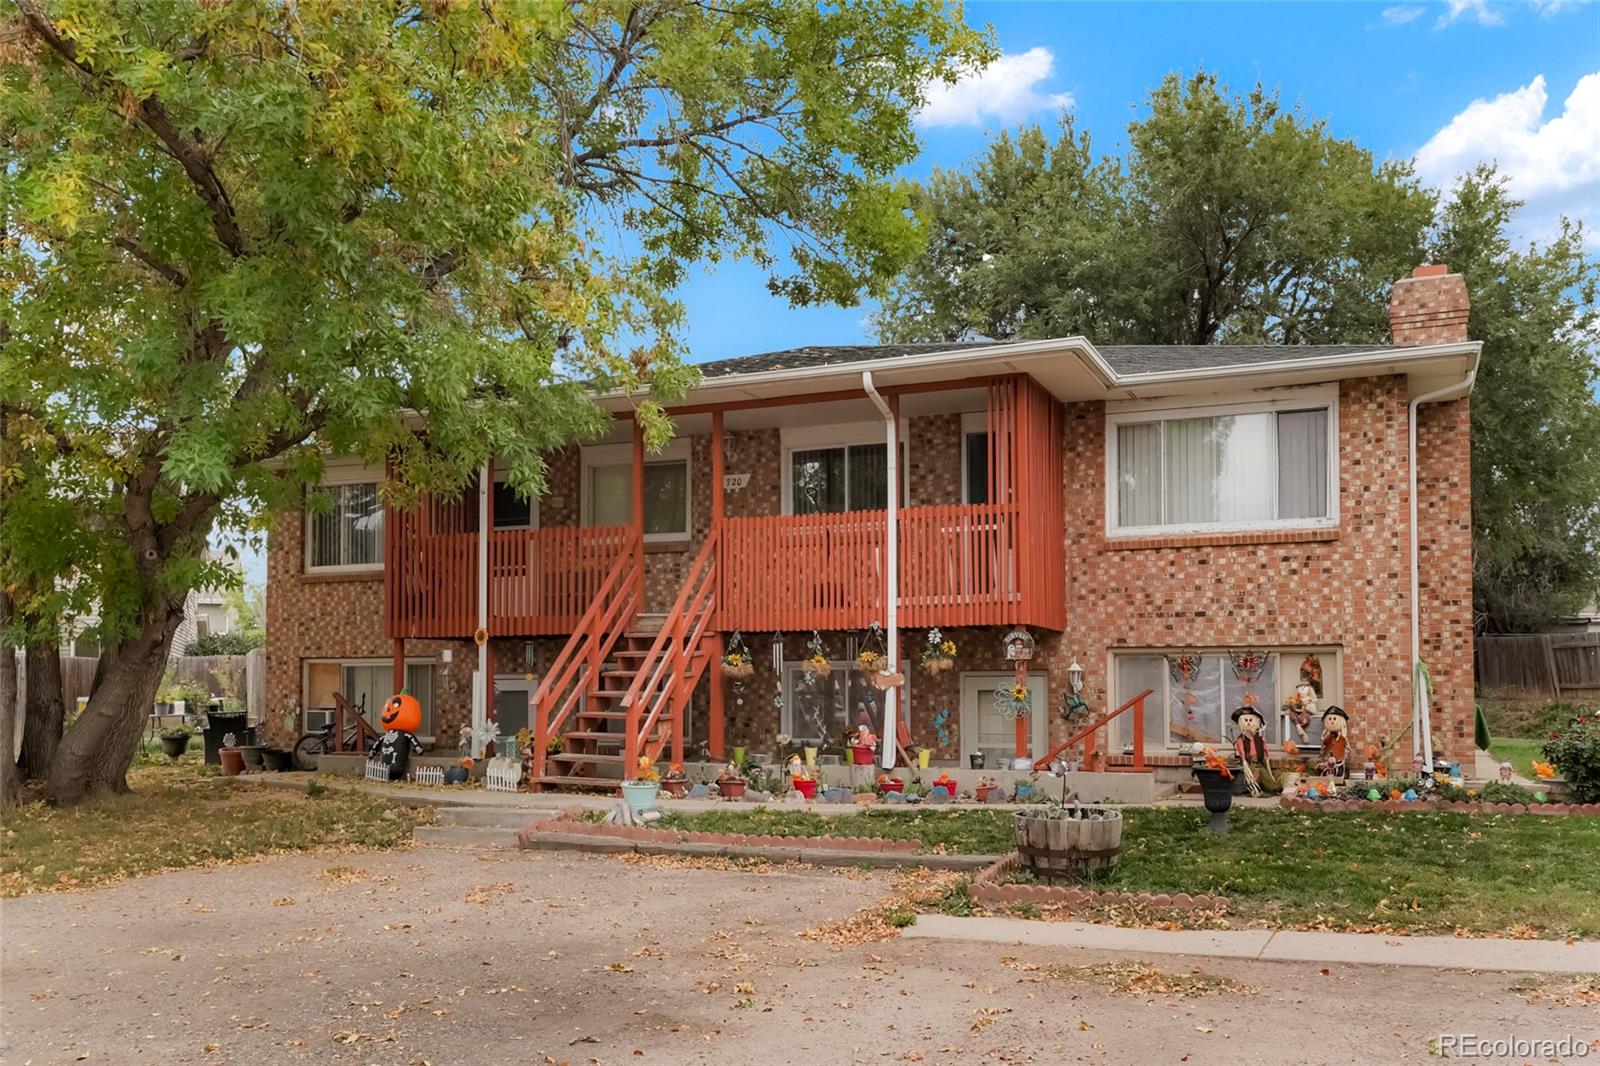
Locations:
{"points": [[1555, 666]]}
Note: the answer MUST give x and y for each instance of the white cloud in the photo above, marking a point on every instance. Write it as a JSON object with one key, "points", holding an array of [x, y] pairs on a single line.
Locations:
{"points": [[1480, 11], [1553, 164], [1006, 90], [1400, 15]]}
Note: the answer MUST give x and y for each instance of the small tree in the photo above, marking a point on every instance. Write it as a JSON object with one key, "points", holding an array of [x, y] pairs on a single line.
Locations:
{"points": [[249, 236]]}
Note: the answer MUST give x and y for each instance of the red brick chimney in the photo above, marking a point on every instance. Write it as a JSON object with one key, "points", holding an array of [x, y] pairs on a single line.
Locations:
{"points": [[1429, 307]]}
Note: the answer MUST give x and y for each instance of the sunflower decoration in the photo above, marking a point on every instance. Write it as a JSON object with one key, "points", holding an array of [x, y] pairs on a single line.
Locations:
{"points": [[1013, 700], [737, 662], [871, 659], [816, 664], [939, 654]]}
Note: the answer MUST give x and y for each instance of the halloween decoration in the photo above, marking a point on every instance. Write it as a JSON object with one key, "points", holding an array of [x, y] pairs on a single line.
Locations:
{"points": [[1251, 747], [391, 753], [1335, 741], [1216, 787]]}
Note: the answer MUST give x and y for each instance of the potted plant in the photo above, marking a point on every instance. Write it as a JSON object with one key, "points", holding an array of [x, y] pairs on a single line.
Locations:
{"points": [[277, 760], [675, 782], [801, 779], [1216, 786], [175, 741], [888, 784], [459, 774], [946, 782], [730, 782], [228, 755], [863, 743], [639, 792], [737, 664], [985, 786]]}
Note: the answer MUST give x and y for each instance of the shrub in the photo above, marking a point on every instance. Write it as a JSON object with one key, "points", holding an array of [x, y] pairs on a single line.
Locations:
{"points": [[238, 642], [1575, 752]]}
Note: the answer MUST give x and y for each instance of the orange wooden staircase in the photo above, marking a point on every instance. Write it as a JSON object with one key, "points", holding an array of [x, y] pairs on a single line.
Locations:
{"points": [[618, 691]]}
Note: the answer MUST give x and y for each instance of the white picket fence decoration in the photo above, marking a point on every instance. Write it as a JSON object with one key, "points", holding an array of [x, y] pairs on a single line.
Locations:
{"points": [[503, 774], [376, 771], [428, 775]]}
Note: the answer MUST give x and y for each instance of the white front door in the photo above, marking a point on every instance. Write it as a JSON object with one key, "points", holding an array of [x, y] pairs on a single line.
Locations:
{"points": [[985, 729]]}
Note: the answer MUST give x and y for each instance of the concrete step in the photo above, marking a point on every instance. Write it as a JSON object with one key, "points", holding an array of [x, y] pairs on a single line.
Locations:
{"points": [[465, 836], [496, 817]]}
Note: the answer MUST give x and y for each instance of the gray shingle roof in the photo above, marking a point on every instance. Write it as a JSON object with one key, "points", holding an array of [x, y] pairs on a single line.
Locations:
{"points": [[1124, 358]]}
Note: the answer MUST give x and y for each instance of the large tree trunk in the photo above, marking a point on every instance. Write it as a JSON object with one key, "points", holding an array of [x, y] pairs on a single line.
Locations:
{"points": [[45, 713], [94, 756], [10, 779]]}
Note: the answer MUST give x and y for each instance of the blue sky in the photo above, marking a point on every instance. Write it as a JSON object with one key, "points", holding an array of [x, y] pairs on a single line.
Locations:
{"points": [[1457, 81]]}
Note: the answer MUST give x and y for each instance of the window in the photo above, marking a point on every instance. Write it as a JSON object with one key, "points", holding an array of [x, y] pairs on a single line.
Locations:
{"points": [[367, 683], [820, 711], [510, 510], [975, 467], [854, 477], [1253, 466], [1194, 703], [608, 489], [346, 533], [202, 626]]}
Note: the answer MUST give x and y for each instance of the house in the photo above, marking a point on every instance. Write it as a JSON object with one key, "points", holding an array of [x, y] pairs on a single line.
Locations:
{"points": [[1192, 527]]}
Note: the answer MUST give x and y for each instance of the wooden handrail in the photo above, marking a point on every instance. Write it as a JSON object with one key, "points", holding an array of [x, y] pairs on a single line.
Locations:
{"points": [[365, 731], [662, 678], [1087, 733], [563, 687]]}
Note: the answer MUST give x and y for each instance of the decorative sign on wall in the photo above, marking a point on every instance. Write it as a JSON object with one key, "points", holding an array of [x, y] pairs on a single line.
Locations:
{"points": [[735, 482]]}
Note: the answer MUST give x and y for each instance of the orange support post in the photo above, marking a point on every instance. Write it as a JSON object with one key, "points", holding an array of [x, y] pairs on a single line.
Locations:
{"points": [[1022, 736], [717, 731], [399, 677]]}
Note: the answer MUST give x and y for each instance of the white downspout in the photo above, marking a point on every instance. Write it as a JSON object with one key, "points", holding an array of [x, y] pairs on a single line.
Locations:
{"points": [[890, 696], [480, 687], [1421, 713]]}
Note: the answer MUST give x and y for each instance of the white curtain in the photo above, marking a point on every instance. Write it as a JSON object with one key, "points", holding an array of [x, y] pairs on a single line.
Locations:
{"points": [[1303, 464], [1216, 469], [1135, 673], [1139, 474]]}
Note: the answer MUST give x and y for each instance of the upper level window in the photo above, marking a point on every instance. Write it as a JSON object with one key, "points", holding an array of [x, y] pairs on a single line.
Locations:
{"points": [[347, 532], [608, 489], [1248, 466], [510, 510]]}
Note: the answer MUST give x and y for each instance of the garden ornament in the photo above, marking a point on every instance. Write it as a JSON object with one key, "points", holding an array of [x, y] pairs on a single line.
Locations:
{"points": [[1335, 741], [391, 753], [1251, 747], [1506, 772]]}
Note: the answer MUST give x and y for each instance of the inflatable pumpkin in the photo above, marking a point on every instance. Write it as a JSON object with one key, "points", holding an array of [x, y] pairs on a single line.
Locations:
{"points": [[402, 714]]}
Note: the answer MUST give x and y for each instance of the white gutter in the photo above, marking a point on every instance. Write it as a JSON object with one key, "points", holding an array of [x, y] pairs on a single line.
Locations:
{"points": [[480, 696], [892, 575], [1421, 713]]}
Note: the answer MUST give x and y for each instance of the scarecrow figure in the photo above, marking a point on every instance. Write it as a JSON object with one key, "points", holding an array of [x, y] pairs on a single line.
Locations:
{"points": [[1251, 747], [391, 754], [1335, 741]]}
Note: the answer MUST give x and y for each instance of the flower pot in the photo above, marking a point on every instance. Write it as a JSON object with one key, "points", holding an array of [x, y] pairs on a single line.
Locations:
{"points": [[674, 788], [811, 756], [232, 761], [253, 759], [975, 760], [1217, 791], [456, 775], [982, 792], [730, 789], [738, 754], [891, 785], [175, 746], [861, 754], [922, 758], [277, 760], [807, 787], [640, 795]]}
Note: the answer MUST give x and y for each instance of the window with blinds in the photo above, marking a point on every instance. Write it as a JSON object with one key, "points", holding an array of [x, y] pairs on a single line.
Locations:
{"points": [[347, 533]]}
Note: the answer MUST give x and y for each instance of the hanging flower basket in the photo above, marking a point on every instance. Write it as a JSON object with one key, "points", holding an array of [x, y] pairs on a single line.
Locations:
{"points": [[939, 655], [870, 662], [737, 662]]}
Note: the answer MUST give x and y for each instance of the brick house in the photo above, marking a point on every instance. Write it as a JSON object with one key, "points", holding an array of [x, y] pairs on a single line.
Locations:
{"points": [[1196, 523]]}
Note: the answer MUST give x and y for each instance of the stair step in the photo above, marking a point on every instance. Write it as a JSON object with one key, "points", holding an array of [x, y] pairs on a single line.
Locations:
{"points": [[583, 756], [603, 738], [616, 715]]}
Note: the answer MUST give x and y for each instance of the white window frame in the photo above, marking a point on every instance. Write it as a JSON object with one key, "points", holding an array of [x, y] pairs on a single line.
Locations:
{"points": [[679, 449], [973, 423], [341, 474], [838, 435], [323, 660], [789, 686], [501, 466], [1289, 657], [1325, 397]]}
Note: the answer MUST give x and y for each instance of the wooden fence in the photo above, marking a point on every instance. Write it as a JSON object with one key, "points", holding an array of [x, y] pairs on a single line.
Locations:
{"points": [[1556, 666], [242, 677]]}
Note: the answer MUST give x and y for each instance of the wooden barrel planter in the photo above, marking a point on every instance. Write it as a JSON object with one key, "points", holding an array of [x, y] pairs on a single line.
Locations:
{"points": [[1068, 843]]}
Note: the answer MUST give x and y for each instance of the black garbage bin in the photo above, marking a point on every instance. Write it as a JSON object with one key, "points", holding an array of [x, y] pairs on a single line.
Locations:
{"points": [[220, 723]]}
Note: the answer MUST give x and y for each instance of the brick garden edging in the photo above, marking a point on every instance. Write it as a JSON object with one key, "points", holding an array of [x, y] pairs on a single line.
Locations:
{"points": [[988, 887], [1298, 803]]}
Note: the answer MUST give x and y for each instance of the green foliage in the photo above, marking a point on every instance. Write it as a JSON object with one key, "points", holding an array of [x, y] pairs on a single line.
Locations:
{"points": [[1233, 220], [238, 642], [1574, 750]]}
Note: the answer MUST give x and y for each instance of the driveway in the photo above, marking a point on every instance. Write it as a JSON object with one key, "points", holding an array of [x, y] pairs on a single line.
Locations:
{"points": [[443, 955]]}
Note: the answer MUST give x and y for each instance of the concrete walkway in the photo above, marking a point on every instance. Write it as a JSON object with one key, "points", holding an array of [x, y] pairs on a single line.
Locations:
{"points": [[1434, 952]]}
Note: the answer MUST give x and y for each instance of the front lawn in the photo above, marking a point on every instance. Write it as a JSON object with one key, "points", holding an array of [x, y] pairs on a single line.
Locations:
{"points": [[182, 815], [1425, 872]]}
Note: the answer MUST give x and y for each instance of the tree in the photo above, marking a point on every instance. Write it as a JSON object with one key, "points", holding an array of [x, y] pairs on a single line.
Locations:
{"points": [[247, 237], [1232, 220], [1535, 412]]}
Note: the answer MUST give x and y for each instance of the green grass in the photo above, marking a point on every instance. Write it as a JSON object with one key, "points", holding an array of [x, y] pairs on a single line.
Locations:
{"points": [[1425, 872], [1519, 753], [178, 817]]}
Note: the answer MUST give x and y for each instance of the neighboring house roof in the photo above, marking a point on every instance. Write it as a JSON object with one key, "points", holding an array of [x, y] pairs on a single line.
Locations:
{"points": [[1123, 358]]}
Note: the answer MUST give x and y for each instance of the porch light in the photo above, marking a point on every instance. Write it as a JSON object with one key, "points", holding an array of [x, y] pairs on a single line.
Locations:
{"points": [[1075, 677]]}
